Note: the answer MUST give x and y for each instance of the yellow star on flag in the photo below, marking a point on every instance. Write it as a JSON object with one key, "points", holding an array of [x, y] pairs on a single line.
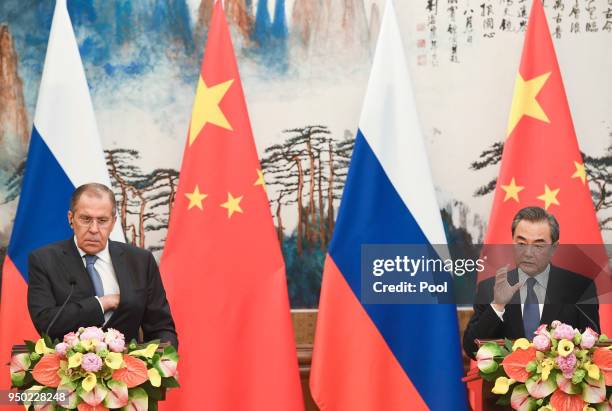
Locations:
{"points": [[260, 179], [206, 108], [549, 197], [232, 204], [524, 101], [195, 198], [580, 172], [512, 190]]}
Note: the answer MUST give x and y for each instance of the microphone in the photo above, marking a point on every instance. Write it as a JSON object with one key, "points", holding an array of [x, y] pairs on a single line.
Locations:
{"points": [[595, 326], [57, 314]]}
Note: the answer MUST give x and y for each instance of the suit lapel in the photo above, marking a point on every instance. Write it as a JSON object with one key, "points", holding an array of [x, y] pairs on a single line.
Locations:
{"points": [[73, 263], [513, 314], [121, 271]]}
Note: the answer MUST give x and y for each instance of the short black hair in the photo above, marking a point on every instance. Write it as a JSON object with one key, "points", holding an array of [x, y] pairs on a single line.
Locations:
{"points": [[534, 215], [98, 190]]}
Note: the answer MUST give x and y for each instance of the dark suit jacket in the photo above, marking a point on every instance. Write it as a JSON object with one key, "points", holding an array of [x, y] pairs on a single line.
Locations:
{"points": [[564, 290], [142, 301]]}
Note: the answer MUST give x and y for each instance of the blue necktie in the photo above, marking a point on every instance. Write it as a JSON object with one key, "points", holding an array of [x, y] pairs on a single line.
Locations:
{"points": [[531, 310], [94, 274]]}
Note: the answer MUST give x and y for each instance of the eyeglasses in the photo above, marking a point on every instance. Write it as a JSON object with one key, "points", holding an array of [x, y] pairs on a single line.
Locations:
{"points": [[87, 221], [538, 248]]}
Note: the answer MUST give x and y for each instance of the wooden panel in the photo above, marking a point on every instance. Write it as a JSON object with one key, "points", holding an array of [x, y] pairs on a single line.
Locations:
{"points": [[304, 323]]}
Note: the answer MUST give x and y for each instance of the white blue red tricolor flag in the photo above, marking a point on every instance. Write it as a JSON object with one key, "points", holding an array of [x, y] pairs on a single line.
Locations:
{"points": [[65, 152], [387, 356]]}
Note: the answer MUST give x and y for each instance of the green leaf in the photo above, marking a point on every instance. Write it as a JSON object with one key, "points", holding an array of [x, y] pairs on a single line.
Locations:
{"points": [[170, 382], [579, 375], [48, 341], [17, 378], [31, 345], [170, 349], [153, 392], [508, 344], [174, 355], [531, 366]]}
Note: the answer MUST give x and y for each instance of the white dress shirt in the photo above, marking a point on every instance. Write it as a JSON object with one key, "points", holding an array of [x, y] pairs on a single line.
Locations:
{"points": [[104, 267], [539, 288]]}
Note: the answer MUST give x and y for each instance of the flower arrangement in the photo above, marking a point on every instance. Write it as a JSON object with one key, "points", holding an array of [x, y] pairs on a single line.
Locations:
{"points": [[94, 369], [561, 369]]}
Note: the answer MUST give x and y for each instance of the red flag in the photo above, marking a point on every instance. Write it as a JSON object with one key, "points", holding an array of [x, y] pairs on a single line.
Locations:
{"points": [[541, 162], [222, 265]]}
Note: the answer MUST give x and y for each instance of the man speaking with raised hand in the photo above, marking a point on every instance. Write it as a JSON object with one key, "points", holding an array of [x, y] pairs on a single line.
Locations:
{"points": [[514, 303]]}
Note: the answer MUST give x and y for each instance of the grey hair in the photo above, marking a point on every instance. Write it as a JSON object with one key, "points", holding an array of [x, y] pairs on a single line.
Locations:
{"points": [[95, 189], [534, 215]]}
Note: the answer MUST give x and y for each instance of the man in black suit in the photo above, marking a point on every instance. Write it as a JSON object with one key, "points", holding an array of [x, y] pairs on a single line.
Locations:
{"points": [[114, 285], [513, 304]]}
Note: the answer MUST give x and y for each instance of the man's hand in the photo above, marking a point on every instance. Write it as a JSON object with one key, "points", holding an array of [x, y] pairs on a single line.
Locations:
{"points": [[503, 291], [109, 302]]}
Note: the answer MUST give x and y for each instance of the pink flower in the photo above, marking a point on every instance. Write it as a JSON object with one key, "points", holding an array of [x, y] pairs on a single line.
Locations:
{"points": [[112, 334], [555, 324], [564, 331], [541, 342], [542, 330], [115, 340], [589, 338], [91, 362], [567, 365], [61, 349], [116, 345], [71, 339], [92, 333]]}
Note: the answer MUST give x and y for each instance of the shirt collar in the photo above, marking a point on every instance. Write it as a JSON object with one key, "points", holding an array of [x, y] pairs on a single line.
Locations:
{"points": [[103, 255], [541, 278]]}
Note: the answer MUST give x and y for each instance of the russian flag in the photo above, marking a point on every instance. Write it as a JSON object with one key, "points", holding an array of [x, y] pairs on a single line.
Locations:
{"points": [[385, 356], [65, 152]]}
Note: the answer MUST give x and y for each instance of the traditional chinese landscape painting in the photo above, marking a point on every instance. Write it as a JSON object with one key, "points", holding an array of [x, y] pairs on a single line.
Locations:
{"points": [[304, 66]]}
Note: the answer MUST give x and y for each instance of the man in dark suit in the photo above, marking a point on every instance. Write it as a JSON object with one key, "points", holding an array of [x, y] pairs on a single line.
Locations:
{"points": [[114, 285], [513, 304]]}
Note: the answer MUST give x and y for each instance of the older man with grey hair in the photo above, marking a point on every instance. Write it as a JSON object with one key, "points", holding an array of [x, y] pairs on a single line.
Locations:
{"points": [[514, 303], [89, 280]]}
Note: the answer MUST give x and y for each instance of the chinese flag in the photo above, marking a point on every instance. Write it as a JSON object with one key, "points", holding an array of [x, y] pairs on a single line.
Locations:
{"points": [[541, 162], [222, 265]]}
